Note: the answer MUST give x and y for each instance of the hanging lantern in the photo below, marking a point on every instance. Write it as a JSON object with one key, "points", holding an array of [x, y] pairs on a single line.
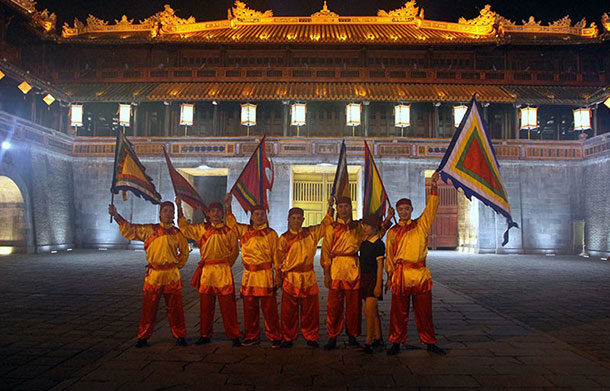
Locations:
{"points": [[2, 75], [458, 114], [248, 114], [402, 116], [76, 115], [582, 118], [24, 87], [124, 114], [529, 118], [607, 103], [352, 113], [297, 114], [48, 99], [186, 114]]}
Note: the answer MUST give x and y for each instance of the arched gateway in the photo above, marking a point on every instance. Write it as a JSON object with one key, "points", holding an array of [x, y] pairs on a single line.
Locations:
{"points": [[13, 223]]}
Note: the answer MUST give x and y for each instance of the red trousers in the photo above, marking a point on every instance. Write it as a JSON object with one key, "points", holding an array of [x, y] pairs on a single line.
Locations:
{"points": [[310, 317], [173, 304], [252, 328], [334, 312], [399, 317], [228, 309]]}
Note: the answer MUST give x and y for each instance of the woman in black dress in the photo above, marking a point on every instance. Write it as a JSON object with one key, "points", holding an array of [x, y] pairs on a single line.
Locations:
{"points": [[372, 256]]}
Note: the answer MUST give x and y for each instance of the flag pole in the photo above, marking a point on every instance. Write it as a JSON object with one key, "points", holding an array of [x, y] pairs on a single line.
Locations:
{"points": [[111, 203]]}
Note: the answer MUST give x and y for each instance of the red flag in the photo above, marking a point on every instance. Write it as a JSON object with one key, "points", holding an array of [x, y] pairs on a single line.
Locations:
{"points": [[183, 189], [251, 187]]}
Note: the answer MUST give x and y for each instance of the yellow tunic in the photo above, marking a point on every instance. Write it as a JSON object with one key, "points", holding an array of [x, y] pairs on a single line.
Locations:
{"points": [[219, 249], [296, 251], [166, 250], [406, 250], [258, 255]]}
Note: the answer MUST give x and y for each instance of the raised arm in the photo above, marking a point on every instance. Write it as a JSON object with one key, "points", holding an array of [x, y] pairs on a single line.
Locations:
{"points": [[427, 217], [130, 231], [191, 231], [317, 231], [231, 221]]}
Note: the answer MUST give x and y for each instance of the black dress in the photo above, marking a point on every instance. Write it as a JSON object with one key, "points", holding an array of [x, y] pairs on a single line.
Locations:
{"points": [[369, 253]]}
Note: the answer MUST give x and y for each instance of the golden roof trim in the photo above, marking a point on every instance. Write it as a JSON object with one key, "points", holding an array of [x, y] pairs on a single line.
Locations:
{"points": [[606, 21], [560, 26], [41, 19]]}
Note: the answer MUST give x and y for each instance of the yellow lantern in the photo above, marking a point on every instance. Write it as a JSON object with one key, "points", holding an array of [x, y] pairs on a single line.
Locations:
{"points": [[48, 99], [529, 118], [352, 113], [124, 114], [76, 115], [582, 119], [298, 112], [24, 87], [458, 114], [607, 103], [186, 114], [402, 116], [2, 75], [248, 114]]}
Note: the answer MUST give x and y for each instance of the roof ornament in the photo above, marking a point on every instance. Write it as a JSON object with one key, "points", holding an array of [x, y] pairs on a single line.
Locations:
{"points": [[486, 17], [124, 21], [325, 13], [44, 19], [244, 14], [563, 22], [167, 17], [606, 21], [97, 22], [409, 10]]}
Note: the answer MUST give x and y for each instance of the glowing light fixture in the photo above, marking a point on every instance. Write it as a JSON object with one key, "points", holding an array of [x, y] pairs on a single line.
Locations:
{"points": [[529, 118], [76, 115], [186, 114], [48, 99], [402, 116], [607, 103], [458, 114], [4, 250], [2, 75], [24, 87], [582, 118], [352, 113], [298, 112], [6, 145], [124, 114], [248, 115]]}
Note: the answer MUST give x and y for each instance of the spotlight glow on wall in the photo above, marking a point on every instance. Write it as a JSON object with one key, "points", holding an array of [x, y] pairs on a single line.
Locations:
{"points": [[24, 87], [582, 118], [76, 115], [124, 114], [49, 99], [607, 103], [186, 114], [529, 118], [402, 116], [352, 114], [458, 114], [6, 145], [298, 113], [248, 114]]}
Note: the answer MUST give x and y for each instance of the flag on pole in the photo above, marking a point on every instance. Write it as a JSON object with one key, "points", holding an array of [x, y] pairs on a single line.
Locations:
{"points": [[470, 162], [251, 187], [341, 183], [183, 189], [130, 174], [375, 196]]}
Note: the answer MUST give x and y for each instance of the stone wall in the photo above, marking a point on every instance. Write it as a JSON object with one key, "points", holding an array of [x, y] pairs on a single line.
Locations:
{"points": [[596, 206]]}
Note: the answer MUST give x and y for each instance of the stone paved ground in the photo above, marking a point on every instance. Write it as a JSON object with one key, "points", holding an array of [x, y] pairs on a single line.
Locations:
{"points": [[67, 322]]}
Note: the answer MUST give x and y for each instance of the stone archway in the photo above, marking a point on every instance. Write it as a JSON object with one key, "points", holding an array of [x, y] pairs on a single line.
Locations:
{"points": [[13, 221]]}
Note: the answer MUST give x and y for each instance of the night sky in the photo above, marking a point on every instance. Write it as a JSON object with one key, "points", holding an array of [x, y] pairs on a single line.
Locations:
{"points": [[447, 10]]}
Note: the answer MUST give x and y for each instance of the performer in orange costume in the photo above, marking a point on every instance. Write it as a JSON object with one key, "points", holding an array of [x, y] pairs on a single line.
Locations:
{"points": [[166, 251], [213, 277], [342, 273], [408, 276], [296, 251], [258, 254]]}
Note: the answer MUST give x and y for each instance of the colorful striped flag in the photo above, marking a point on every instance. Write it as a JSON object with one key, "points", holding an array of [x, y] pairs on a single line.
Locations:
{"points": [[470, 162], [130, 174], [375, 196], [251, 187], [183, 189], [341, 183]]}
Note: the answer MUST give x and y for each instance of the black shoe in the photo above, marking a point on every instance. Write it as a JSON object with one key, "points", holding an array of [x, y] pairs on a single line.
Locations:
{"points": [[331, 344], [378, 343], [142, 343], [352, 341], [236, 343], [276, 344], [313, 344], [203, 340], [286, 344], [394, 349], [250, 342], [181, 342], [432, 348], [368, 349]]}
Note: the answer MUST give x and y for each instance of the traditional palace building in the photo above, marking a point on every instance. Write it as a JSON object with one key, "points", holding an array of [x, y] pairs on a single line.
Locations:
{"points": [[55, 177]]}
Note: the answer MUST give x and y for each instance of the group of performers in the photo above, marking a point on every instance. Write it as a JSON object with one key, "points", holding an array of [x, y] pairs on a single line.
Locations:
{"points": [[353, 257]]}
